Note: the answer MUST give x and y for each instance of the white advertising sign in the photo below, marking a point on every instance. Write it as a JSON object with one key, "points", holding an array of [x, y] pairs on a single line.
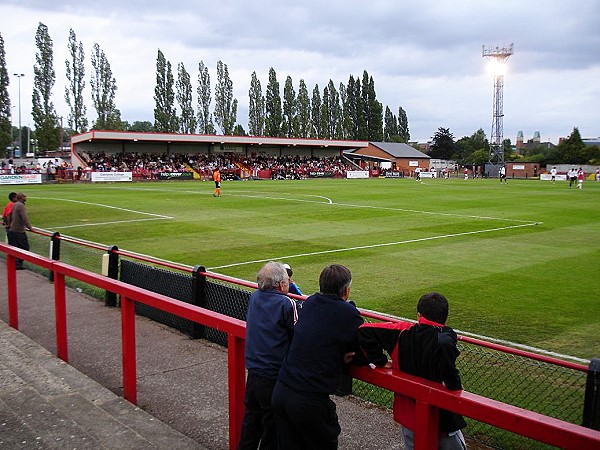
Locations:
{"points": [[111, 176], [548, 177], [357, 174], [26, 178]]}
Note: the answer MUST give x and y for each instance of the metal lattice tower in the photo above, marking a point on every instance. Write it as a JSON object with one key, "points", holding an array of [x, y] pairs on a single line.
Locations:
{"points": [[500, 55]]}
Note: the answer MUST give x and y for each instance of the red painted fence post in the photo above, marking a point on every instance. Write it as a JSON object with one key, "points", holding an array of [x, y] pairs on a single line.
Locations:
{"points": [[60, 312], [11, 281], [128, 348], [426, 426], [237, 388]]}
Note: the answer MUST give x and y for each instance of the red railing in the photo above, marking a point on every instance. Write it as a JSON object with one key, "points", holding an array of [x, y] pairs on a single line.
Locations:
{"points": [[429, 396]]}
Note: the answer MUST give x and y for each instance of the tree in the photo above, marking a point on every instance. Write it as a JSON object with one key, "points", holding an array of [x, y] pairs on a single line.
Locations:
{"points": [[44, 115], [403, 131], [331, 112], [273, 114], [443, 146], [315, 113], [74, 91], [304, 124], [289, 126], [256, 108], [572, 150], [5, 125], [239, 130], [187, 119], [165, 115], [225, 104], [104, 87], [467, 146], [372, 110], [141, 126], [390, 127], [353, 118], [205, 119]]}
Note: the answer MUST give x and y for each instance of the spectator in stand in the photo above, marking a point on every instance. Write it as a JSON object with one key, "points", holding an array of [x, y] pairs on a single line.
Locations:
{"points": [[269, 328], [12, 198], [19, 223], [325, 338], [426, 349], [294, 288]]}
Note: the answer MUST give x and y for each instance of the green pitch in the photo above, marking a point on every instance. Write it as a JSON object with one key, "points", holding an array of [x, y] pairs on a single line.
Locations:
{"points": [[519, 262]]}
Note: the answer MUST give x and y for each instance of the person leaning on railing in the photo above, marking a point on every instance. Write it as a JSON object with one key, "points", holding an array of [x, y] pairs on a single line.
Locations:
{"points": [[19, 223], [426, 349]]}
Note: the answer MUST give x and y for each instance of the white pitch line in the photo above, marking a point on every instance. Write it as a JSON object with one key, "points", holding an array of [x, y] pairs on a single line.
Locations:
{"points": [[384, 244], [61, 227], [160, 216]]}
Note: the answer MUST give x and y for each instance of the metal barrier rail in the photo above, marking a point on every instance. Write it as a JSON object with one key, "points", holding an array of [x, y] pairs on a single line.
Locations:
{"points": [[429, 396], [365, 313]]}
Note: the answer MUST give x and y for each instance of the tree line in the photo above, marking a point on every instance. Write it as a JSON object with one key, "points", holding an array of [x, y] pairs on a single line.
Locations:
{"points": [[350, 111], [475, 150]]}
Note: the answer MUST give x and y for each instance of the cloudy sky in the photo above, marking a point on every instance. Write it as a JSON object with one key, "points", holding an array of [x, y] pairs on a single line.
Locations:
{"points": [[425, 55]]}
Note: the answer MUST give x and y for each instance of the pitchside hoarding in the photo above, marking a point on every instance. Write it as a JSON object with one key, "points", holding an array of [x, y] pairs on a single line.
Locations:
{"points": [[26, 178]]}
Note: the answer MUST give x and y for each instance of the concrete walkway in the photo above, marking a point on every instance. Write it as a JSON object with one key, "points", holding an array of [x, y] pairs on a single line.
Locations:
{"points": [[182, 383]]}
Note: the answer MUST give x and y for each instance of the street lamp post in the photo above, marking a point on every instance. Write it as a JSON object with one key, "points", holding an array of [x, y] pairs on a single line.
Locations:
{"points": [[19, 76]]}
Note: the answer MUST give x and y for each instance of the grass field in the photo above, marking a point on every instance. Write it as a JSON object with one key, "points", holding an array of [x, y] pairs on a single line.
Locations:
{"points": [[519, 262]]}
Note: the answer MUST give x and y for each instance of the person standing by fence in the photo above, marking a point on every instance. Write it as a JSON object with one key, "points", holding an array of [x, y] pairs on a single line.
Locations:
{"points": [[325, 338], [12, 197], [426, 349], [269, 328], [19, 223]]}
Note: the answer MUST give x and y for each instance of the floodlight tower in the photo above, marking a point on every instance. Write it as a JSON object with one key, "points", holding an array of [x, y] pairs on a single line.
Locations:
{"points": [[498, 56]]}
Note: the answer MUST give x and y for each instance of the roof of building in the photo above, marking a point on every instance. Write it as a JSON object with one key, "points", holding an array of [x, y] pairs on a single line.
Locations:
{"points": [[126, 136], [400, 150]]}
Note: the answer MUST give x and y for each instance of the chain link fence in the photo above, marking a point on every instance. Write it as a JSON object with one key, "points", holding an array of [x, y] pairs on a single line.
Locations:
{"points": [[537, 386]]}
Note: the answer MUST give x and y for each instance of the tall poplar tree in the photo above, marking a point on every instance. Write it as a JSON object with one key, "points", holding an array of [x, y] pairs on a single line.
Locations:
{"points": [[273, 115], [390, 127], [353, 119], [256, 108], [165, 115], [5, 125], [225, 104], [315, 109], [187, 119], [331, 113], [304, 123], [205, 118], [44, 115], [403, 130], [75, 66], [372, 110], [289, 126], [104, 87]]}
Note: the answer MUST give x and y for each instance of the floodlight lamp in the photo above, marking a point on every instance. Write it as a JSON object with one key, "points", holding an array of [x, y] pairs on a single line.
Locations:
{"points": [[496, 67]]}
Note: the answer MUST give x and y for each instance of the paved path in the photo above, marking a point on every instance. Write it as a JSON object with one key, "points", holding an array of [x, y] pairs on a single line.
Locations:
{"points": [[182, 383]]}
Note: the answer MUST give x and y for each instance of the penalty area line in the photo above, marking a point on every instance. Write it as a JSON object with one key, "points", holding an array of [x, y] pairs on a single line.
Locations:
{"points": [[383, 244]]}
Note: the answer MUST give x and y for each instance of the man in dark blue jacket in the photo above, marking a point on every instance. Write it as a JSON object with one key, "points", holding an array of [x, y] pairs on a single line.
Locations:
{"points": [[325, 338], [269, 327]]}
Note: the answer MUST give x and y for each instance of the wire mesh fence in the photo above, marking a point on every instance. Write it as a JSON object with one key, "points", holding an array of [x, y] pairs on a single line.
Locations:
{"points": [[542, 387]]}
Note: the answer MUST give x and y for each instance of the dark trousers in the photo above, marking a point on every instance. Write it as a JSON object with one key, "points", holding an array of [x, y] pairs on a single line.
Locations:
{"points": [[305, 421], [258, 426], [19, 240]]}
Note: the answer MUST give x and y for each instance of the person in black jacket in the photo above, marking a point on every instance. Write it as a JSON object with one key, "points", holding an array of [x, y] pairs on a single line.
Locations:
{"points": [[426, 349], [325, 338], [269, 328]]}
